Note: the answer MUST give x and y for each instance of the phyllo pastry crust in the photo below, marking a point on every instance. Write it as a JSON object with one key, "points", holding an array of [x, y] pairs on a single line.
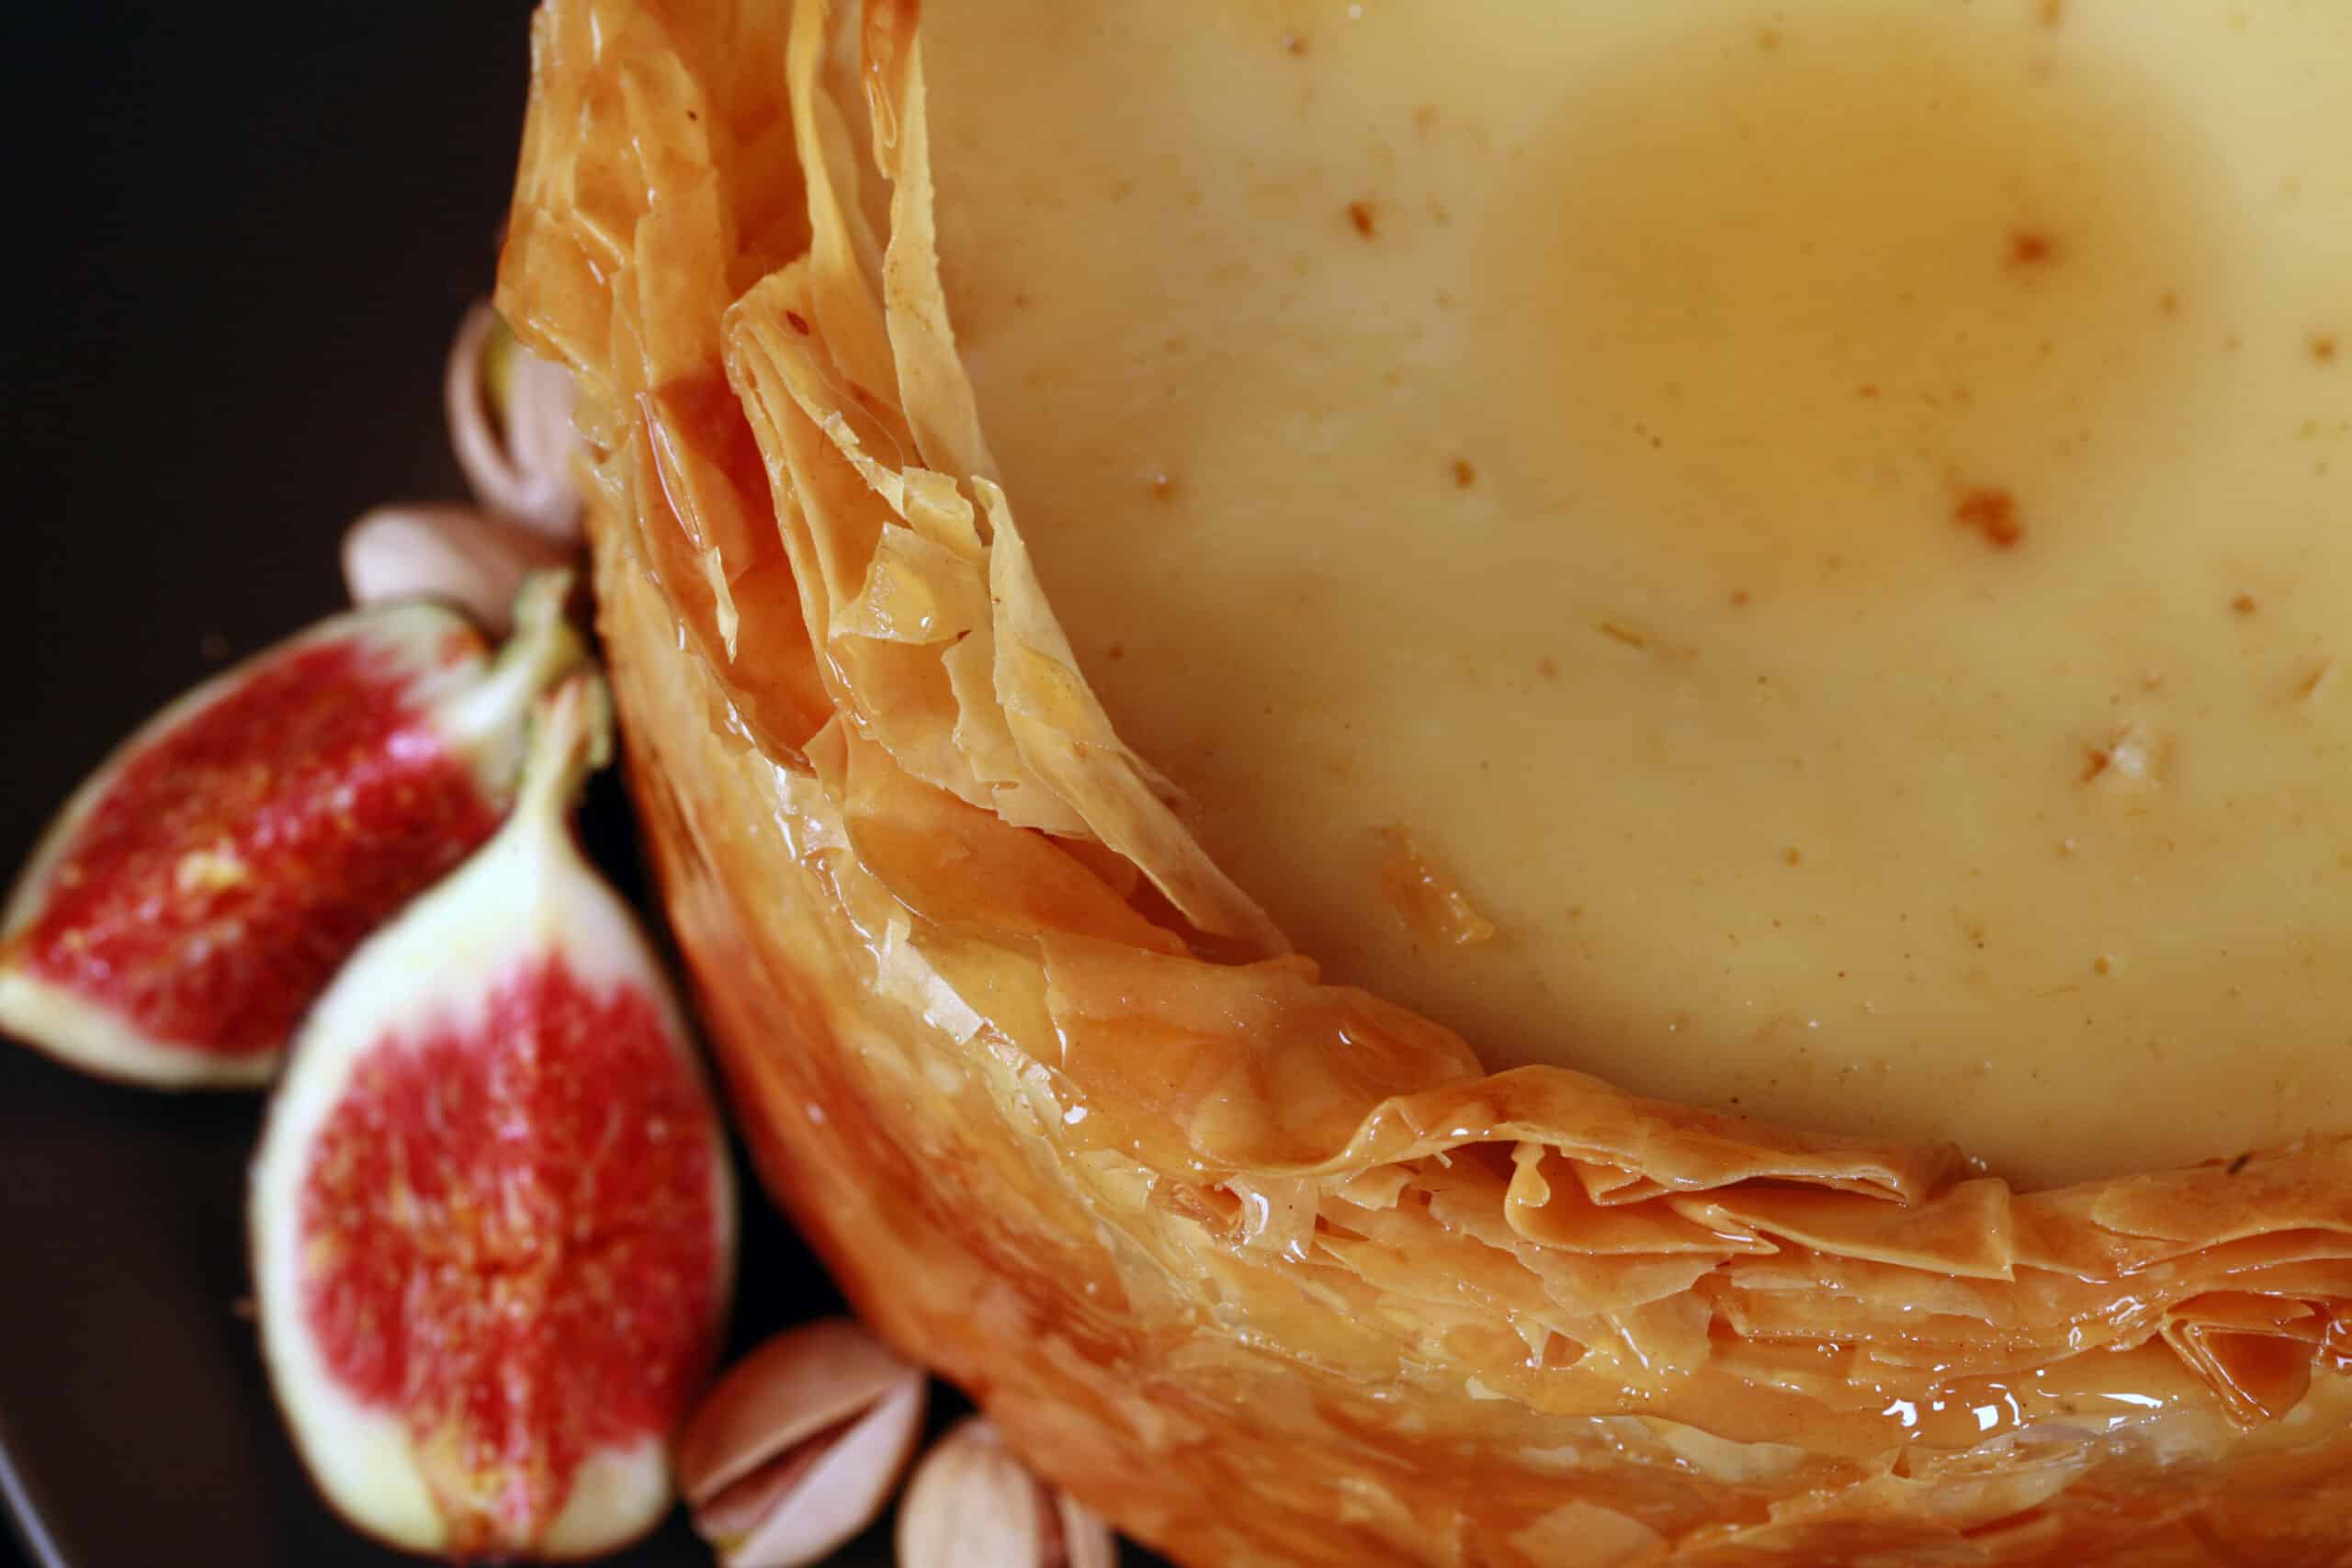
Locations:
{"points": [[1265, 1268]]}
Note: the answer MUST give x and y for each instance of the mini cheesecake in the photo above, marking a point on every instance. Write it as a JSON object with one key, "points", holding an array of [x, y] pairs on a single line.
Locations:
{"points": [[1512, 783]]}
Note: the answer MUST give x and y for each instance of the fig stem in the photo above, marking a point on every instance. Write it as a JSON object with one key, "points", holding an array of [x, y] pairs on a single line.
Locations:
{"points": [[571, 737], [543, 650]]}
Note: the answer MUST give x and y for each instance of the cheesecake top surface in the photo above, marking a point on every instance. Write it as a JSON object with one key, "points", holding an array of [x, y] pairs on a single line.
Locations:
{"points": [[1791, 557]]}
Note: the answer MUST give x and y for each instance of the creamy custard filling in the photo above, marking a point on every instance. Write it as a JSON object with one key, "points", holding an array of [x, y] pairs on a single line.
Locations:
{"points": [[1826, 526]]}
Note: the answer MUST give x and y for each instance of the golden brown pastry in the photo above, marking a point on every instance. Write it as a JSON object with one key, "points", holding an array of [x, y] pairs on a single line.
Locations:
{"points": [[1265, 1268]]}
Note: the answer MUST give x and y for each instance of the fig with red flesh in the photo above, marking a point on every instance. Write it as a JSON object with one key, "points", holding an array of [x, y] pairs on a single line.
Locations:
{"points": [[202, 889], [491, 1214]]}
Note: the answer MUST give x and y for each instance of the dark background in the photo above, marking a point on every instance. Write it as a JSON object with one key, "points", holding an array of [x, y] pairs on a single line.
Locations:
{"points": [[239, 238]]}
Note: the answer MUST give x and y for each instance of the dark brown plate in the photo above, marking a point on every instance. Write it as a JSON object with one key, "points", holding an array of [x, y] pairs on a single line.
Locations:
{"points": [[243, 240]]}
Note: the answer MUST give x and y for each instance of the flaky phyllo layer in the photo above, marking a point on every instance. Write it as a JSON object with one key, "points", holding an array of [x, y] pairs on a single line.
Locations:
{"points": [[724, 226]]}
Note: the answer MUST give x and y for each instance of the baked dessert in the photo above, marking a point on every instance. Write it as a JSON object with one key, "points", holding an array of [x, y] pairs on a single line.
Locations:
{"points": [[1510, 783]]}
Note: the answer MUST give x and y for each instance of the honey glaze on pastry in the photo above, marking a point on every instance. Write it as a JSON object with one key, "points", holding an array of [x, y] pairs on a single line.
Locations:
{"points": [[1056, 656]]}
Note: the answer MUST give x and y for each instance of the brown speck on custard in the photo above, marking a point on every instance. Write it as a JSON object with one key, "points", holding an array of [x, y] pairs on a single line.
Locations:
{"points": [[1548, 667], [2133, 758], [2243, 604], [2032, 248], [1361, 216], [1992, 512], [2323, 348], [1115, 652], [1767, 41], [2168, 302], [1163, 485], [1740, 597], [1293, 43], [1464, 476], [2051, 13]]}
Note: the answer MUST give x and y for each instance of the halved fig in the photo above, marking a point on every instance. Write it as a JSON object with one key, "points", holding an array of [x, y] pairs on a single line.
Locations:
{"points": [[202, 886], [491, 1215]]}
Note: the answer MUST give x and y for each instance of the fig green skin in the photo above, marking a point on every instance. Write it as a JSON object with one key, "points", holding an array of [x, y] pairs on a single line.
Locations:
{"points": [[433, 980], [198, 891]]}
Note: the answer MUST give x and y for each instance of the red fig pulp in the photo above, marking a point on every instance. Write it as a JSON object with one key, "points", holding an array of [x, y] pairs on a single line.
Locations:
{"points": [[491, 1214], [202, 889]]}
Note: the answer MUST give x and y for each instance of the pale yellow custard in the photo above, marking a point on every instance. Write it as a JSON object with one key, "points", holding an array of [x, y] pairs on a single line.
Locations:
{"points": [[1829, 524]]}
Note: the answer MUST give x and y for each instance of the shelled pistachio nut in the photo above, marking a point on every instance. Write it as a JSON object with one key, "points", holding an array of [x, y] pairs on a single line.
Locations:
{"points": [[800, 1445], [459, 554], [973, 1504], [510, 423]]}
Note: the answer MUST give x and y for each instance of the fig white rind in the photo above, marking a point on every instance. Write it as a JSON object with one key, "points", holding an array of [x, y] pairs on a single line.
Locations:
{"points": [[473, 702], [525, 898]]}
